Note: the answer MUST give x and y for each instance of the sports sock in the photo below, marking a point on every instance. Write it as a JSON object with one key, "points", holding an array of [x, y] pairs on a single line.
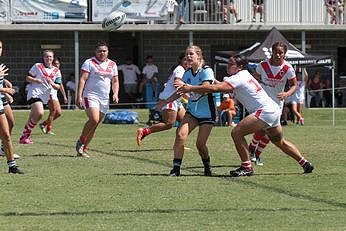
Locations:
{"points": [[206, 162], [246, 164], [177, 163], [261, 145], [82, 139], [146, 131], [28, 128], [302, 161], [49, 128], [11, 163], [254, 142]]}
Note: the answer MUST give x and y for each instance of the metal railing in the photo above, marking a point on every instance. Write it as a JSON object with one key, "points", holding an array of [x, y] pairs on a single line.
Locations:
{"points": [[310, 12]]}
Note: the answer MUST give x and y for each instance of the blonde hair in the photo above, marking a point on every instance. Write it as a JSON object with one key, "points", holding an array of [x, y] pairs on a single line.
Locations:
{"points": [[199, 52]]}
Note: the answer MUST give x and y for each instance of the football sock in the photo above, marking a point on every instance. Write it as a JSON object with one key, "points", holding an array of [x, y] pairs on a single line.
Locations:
{"points": [[206, 162], [146, 131], [82, 139], [28, 128], [246, 164], [177, 163], [11, 163], [49, 128], [302, 161], [261, 145], [254, 142]]}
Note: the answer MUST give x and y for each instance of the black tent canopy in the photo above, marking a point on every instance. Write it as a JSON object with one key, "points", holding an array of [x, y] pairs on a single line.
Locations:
{"points": [[260, 51]]}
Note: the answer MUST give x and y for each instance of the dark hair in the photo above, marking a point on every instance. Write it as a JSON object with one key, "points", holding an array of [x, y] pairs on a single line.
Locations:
{"points": [[149, 57], [101, 44], [241, 61], [57, 59], [279, 44], [180, 57]]}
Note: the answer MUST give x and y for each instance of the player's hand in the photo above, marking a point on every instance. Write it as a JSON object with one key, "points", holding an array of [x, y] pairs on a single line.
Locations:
{"points": [[9, 98], [115, 99], [161, 103], [10, 91], [182, 89], [3, 70], [282, 95], [79, 102]]}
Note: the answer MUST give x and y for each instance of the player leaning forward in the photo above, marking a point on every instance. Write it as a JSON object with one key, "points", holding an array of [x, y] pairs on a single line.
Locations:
{"points": [[98, 75], [264, 114]]}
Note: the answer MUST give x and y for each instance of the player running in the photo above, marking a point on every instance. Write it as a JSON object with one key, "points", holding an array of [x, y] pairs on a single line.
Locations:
{"points": [[98, 75]]}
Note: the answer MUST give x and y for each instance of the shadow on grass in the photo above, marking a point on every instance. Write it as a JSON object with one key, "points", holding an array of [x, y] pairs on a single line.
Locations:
{"points": [[160, 211], [241, 180]]}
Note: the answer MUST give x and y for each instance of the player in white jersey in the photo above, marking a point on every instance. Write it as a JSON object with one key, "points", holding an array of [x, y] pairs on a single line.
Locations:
{"points": [[53, 104], [98, 75], [273, 74], [171, 112], [264, 114], [4, 123], [297, 99], [42, 77]]}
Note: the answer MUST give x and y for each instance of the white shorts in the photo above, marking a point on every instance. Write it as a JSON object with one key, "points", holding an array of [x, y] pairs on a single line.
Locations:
{"points": [[175, 105], [93, 102], [270, 118], [53, 96], [296, 100]]}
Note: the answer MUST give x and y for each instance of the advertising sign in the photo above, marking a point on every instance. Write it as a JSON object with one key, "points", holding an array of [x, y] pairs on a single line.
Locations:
{"points": [[49, 10], [4, 11], [136, 10]]}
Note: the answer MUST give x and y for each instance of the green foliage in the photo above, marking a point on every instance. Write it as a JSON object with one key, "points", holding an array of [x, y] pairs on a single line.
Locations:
{"points": [[126, 187]]}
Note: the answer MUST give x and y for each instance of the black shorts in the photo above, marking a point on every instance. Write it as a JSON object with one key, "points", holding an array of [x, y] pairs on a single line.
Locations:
{"points": [[202, 121], [4, 101], [34, 100]]}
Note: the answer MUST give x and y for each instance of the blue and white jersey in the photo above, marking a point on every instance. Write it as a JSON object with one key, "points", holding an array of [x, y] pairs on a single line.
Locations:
{"points": [[200, 106]]}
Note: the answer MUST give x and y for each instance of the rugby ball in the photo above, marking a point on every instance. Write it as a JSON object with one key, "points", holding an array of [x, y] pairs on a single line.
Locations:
{"points": [[114, 21]]}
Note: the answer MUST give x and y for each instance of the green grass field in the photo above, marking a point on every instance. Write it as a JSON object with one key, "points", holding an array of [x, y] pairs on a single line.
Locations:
{"points": [[126, 187]]}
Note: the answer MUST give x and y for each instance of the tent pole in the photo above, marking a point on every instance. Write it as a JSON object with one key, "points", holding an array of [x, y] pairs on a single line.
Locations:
{"points": [[333, 91]]}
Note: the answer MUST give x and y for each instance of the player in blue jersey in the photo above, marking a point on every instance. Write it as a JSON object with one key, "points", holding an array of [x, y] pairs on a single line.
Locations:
{"points": [[201, 111]]}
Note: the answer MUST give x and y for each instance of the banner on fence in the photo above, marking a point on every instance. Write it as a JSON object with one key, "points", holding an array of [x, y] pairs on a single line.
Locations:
{"points": [[4, 11], [49, 10], [136, 10]]}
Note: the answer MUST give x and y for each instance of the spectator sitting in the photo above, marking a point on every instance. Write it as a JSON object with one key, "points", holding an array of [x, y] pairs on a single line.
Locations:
{"points": [[258, 7], [150, 74], [181, 11], [229, 5], [227, 108]]}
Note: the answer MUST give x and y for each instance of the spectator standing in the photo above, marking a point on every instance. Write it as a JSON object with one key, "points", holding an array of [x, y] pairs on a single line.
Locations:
{"points": [[315, 89], [71, 89], [98, 75], [229, 5], [257, 7], [335, 9], [131, 74]]}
